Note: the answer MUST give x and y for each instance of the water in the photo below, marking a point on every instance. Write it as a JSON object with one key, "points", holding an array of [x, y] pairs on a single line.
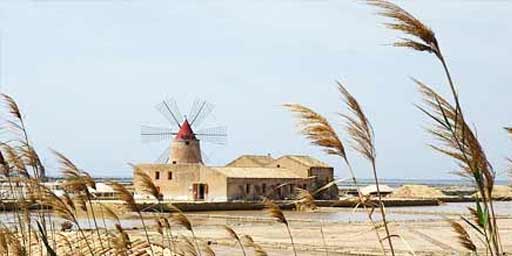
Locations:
{"points": [[394, 214], [395, 183], [347, 215]]}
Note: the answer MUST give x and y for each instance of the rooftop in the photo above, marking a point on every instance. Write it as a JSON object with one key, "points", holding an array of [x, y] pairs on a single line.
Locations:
{"points": [[254, 161], [307, 161], [255, 172]]}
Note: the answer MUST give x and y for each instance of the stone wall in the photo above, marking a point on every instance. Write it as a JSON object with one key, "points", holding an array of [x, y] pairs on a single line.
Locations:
{"points": [[255, 189]]}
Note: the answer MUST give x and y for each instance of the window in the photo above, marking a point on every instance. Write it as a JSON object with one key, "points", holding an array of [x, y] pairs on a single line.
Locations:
{"points": [[247, 188], [278, 166], [157, 175], [173, 162], [264, 188], [187, 142], [305, 186], [169, 175]]}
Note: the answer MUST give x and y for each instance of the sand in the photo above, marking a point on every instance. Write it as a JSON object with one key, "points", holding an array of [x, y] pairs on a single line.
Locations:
{"points": [[417, 191], [499, 191]]}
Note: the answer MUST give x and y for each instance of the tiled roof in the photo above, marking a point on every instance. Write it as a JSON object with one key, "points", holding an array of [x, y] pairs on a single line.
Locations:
{"points": [[255, 172], [307, 161], [255, 161]]}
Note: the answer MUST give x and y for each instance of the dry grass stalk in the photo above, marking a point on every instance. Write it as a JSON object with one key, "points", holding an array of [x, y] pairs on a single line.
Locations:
{"points": [[110, 213], [13, 158], [423, 38], [318, 130], [182, 220], [127, 197], [304, 200], [323, 237], [144, 183], [362, 135], [121, 242], [235, 236], [275, 212], [187, 247], [58, 206], [77, 181], [249, 242], [459, 141], [463, 236]]}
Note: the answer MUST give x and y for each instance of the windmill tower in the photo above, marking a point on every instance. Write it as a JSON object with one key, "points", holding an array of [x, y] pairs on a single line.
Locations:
{"points": [[184, 142]]}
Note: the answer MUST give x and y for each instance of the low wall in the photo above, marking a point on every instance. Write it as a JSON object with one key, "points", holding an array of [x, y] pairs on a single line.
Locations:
{"points": [[257, 205]]}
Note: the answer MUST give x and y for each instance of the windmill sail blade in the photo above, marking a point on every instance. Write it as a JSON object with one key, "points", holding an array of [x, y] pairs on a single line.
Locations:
{"points": [[215, 135], [169, 109], [155, 134], [199, 111], [164, 156]]}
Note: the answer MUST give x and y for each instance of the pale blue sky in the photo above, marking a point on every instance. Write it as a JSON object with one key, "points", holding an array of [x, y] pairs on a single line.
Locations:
{"points": [[87, 74]]}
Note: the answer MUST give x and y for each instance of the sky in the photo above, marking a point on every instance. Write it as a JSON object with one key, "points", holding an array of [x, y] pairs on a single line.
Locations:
{"points": [[88, 73]]}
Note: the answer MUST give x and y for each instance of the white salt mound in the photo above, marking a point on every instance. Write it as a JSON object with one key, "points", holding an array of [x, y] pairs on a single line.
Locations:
{"points": [[499, 191], [417, 191]]}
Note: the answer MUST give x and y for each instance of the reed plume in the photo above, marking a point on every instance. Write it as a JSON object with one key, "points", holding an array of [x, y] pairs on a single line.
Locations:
{"points": [[277, 214], [304, 200], [235, 236], [110, 213], [144, 183], [187, 247], [127, 197], [183, 221], [362, 135], [450, 126], [121, 242], [461, 144], [318, 130], [58, 206], [78, 181], [421, 37], [249, 242], [463, 236], [13, 159], [17, 127]]}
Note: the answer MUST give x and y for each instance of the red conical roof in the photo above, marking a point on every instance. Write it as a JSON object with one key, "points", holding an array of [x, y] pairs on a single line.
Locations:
{"points": [[185, 132]]}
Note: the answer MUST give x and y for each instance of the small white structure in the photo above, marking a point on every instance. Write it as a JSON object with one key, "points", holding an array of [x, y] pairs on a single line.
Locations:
{"points": [[372, 190], [103, 191]]}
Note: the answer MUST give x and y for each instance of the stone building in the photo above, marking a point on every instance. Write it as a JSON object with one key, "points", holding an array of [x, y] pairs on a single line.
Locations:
{"points": [[249, 177]]}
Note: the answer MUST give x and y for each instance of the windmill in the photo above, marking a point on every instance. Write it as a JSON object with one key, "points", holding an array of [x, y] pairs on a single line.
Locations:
{"points": [[184, 132]]}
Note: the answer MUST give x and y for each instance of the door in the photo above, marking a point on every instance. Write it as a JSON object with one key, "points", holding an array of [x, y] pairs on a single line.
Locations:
{"points": [[200, 191]]}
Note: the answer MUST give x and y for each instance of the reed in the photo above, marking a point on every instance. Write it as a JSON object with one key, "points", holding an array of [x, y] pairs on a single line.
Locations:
{"points": [[127, 197], [235, 236], [456, 138], [305, 201], [362, 135], [277, 214], [258, 250], [182, 220], [78, 182], [319, 132]]}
